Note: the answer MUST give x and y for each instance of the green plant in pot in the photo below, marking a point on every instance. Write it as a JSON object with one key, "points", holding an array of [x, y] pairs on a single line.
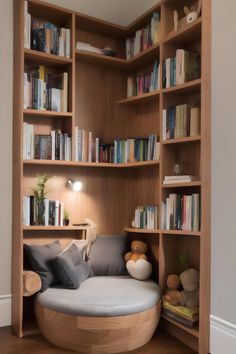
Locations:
{"points": [[39, 195], [66, 219]]}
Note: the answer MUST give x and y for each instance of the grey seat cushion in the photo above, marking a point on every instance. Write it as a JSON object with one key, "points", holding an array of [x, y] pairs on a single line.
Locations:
{"points": [[104, 296]]}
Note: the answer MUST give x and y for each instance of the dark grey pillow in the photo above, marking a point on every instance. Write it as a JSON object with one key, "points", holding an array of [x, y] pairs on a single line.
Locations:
{"points": [[41, 260], [71, 269], [107, 255]]}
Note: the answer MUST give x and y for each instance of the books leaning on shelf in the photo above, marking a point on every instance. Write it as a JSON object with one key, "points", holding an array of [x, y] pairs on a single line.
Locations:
{"points": [[181, 212], [180, 122], [53, 212], [90, 149], [183, 67], [45, 36], [144, 82], [180, 179], [45, 91], [89, 48], [144, 38], [181, 314], [146, 217], [53, 146]]}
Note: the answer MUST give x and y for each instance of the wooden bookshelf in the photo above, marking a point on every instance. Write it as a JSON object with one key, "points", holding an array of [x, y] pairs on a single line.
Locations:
{"points": [[97, 101]]}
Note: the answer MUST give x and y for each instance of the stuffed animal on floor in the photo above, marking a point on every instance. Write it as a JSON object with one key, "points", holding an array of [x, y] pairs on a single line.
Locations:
{"points": [[172, 294], [189, 297], [136, 261]]}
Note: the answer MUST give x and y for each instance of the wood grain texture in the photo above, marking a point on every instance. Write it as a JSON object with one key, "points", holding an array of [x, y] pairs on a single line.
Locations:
{"points": [[98, 334]]}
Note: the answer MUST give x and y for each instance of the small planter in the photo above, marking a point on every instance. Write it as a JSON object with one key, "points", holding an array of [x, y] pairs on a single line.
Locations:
{"points": [[66, 222], [40, 212]]}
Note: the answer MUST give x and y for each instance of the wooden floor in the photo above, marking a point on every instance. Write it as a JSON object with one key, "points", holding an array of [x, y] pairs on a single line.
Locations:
{"points": [[162, 343]]}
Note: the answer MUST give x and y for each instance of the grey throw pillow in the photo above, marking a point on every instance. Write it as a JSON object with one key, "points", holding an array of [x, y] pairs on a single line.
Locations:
{"points": [[71, 269], [107, 255], [41, 260]]}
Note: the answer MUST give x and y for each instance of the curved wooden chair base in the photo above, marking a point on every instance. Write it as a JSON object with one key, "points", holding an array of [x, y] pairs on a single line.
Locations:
{"points": [[98, 334]]}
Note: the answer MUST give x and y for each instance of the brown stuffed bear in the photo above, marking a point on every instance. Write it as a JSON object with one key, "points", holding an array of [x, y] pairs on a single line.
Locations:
{"points": [[190, 295], [139, 249], [172, 294]]}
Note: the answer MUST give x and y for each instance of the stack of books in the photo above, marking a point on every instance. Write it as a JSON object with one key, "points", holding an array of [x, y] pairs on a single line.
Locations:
{"points": [[180, 121], [180, 179], [45, 36], [45, 91], [181, 314], [89, 48], [144, 38], [181, 212], [144, 83], [53, 212], [90, 149], [146, 217], [183, 67], [53, 146]]}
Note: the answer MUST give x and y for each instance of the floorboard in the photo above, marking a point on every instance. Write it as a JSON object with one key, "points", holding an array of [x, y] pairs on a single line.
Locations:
{"points": [[162, 343]]}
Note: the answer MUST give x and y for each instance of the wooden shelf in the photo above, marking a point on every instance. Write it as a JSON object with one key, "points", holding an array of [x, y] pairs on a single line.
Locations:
{"points": [[188, 34], [90, 164], [151, 96], [54, 228], [186, 140], [144, 59], [99, 59], [141, 231], [194, 332], [180, 233], [37, 57], [181, 185], [188, 87], [39, 113]]}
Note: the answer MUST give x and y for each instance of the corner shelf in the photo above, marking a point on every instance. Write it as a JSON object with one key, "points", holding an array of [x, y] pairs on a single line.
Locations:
{"points": [[141, 231], [191, 86], [91, 164], [181, 185], [186, 35], [40, 113], [185, 140], [54, 228], [37, 57], [144, 58], [99, 59], [180, 233], [151, 96]]}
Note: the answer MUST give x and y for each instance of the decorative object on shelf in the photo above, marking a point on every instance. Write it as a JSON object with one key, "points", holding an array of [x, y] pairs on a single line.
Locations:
{"points": [[137, 264], [178, 169], [75, 186], [190, 294], [194, 12], [66, 219], [40, 194], [31, 283], [172, 294], [176, 20]]}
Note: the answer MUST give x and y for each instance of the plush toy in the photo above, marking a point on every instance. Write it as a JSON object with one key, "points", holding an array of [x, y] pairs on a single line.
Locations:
{"points": [[172, 294], [189, 297], [139, 249], [136, 261], [194, 12]]}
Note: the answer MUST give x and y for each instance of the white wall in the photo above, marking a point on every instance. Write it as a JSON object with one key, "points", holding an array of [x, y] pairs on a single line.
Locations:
{"points": [[223, 282]]}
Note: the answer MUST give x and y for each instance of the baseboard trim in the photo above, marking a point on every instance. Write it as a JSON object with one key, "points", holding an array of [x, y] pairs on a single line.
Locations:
{"points": [[5, 310], [223, 336]]}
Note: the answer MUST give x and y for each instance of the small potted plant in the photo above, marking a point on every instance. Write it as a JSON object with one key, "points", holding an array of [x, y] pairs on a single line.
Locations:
{"points": [[66, 219], [39, 195]]}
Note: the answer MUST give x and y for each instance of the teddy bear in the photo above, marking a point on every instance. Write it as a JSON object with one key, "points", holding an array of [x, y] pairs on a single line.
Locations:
{"points": [[172, 294], [136, 261], [189, 296], [138, 251]]}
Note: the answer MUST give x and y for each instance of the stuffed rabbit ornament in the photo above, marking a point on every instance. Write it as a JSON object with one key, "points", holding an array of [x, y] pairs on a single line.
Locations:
{"points": [[194, 12]]}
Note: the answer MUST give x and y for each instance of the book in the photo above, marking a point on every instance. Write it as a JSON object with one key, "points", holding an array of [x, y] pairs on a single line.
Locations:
{"points": [[146, 217], [180, 179], [185, 322], [194, 121], [191, 314]]}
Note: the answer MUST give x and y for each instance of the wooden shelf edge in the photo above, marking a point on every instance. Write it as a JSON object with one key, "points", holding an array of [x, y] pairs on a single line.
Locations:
{"points": [[55, 59], [189, 28], [54, 228], [35, 112], [187, 85], [90, 164], [140, 98], [141, 231], [181, 233], [188, 139], [90, 57], [194, 332], [182, 185]]}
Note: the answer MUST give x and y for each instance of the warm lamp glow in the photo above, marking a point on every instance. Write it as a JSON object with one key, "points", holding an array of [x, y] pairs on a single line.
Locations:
{"points": [[75, 186]]}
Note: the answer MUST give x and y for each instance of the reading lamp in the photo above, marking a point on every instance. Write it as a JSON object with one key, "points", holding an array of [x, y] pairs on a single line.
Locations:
{"points": [[75, 186]]}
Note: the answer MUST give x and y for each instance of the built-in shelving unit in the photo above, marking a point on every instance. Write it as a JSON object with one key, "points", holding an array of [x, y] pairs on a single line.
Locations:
{"points": [[97, 102]]}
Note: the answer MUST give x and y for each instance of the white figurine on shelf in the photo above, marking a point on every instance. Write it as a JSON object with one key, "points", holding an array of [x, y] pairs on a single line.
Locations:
{"points": [[194, 12]]}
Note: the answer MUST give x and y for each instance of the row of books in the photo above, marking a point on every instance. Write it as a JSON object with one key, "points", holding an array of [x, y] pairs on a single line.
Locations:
{"points": [[144, 38], [45, 91], [53, 146], [90, 149], [45, 36], [181, 314], [53, 212], [181, 212], [144, 83], [180, 121], [183, 67], [146, 217]]}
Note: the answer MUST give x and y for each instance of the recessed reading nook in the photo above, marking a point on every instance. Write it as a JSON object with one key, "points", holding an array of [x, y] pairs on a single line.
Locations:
{"points": [[111, 161]]}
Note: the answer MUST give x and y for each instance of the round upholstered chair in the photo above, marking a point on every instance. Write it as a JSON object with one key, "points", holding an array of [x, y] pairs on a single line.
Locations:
{"points": [[107, 314]]}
